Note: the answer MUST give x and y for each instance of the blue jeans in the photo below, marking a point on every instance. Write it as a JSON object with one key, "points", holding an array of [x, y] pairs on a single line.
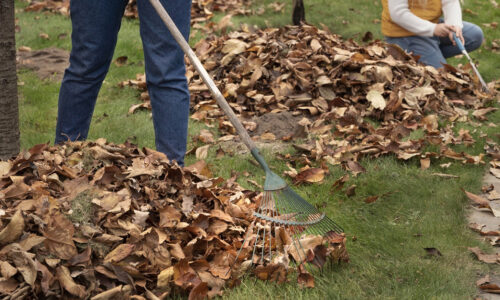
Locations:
{"points": [[434, 50], [95, 30]]}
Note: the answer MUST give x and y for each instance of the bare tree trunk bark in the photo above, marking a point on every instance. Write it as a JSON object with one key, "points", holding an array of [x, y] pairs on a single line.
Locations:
{"points": [[299, 12], [9, 112]]}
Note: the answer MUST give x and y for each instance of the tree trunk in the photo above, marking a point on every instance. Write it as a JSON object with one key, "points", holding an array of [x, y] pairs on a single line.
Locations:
{"points": [[299, 12], [9, 113]]}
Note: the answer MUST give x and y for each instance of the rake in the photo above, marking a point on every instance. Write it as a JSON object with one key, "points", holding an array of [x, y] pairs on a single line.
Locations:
{"points": [[464, 52], [281, 208]]}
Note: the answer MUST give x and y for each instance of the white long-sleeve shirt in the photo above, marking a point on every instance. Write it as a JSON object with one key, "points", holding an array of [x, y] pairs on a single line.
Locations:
{"points": [[401, 15]]}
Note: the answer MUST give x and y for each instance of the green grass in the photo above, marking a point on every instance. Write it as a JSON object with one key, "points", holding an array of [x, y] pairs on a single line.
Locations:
{"points": [[82, 208], [385, 238]]}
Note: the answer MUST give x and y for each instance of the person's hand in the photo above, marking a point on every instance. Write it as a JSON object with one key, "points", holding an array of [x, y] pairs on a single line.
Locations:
{"points": [[443, 30], [460, 36]]}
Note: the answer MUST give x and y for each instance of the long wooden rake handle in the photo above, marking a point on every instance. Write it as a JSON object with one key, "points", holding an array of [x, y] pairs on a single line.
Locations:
{"points": [[221, 101]]}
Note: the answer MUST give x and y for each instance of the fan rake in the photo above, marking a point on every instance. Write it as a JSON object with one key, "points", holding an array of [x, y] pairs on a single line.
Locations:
{"points": [[282, 213]]}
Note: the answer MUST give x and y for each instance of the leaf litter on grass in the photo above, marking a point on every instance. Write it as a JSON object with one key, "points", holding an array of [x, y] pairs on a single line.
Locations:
{"points": [[201, 11], [354, 100], [94, 219]]}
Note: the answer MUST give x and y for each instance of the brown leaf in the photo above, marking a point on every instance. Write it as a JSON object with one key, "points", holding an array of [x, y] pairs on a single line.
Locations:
{"points": [[7, 270], [217, 227], [121, 60], [311, 175], [81, 258], [425, 163], [199, 292], [119, 253], [350, 191], [376, 99], [5, 167], [339, 183], [219, 214], [430, 122], [305, 279], [67, 282], [477, 199], [490, 288], [118, 292], [202, 152], [47, 277], [176, 251], [184, 275], [18, 189], [13, 230], [355, 167], [433, 252], [59, 237], [271, 272], [371, 199], [169, 216], [165, 277], [206, 137], [220, 265], [476, 227], [486, 258], [8, 285], [24, 264]]}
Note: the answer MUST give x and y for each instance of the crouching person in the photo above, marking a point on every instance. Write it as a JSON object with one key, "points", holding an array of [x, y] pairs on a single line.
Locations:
{"points": [[426, 27]]}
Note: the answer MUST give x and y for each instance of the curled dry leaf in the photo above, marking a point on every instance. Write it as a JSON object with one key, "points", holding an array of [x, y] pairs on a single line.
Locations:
{"points": [[477, 199], [67, 282], [13, 230], [119, 253], [486, 258], [311, 175]]}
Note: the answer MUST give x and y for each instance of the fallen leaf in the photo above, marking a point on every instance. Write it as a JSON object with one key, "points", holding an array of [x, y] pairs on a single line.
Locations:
{"points": [[13, 230], [64, 277], [486, 258], [477, 199], [376, 99], [311, 175], [433, 252], [371, 199], [119, 253]]}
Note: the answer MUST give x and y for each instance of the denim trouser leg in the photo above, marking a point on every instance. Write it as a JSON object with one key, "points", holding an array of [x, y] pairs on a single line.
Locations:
{"points": [[95, 29], [426, 47], [166, 75], [433, 50]]}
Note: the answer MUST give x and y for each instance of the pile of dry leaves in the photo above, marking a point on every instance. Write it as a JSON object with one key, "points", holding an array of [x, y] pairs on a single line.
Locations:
{"points": [[93, 219], [201, 11], [341, 89]]}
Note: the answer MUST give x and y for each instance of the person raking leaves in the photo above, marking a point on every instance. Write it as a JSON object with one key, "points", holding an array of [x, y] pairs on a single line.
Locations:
{"points": [[425, 28], [94, 35]]}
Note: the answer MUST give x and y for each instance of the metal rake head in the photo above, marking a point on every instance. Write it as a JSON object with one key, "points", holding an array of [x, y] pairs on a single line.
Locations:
{"points": [[284, 225]]}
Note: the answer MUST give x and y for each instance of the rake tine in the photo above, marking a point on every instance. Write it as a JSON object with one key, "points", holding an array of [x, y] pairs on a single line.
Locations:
{"points": [[255, 244], [263, 246], [309, 218], [247, 235]]}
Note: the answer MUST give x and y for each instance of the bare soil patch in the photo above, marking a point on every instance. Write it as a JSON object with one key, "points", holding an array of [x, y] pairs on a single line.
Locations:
{"points": [[281, 124], [47, 63]]}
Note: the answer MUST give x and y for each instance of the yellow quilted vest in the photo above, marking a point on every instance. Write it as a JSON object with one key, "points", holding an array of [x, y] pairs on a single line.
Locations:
{"points": [[429, 10]]}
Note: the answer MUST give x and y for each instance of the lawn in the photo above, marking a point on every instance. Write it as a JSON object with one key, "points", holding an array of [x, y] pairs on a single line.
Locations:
{"points": [[386, 239]]}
